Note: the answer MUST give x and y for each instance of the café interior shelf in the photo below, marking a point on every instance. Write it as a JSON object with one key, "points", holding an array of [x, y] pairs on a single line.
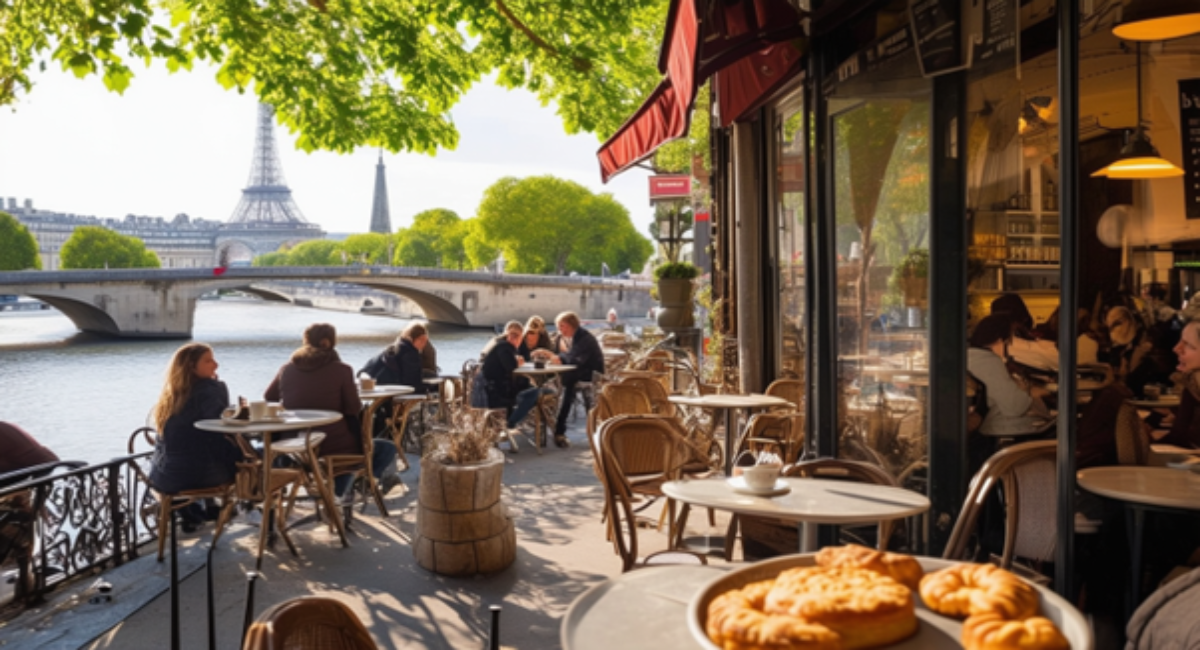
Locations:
{"points": [[1019, 249]]}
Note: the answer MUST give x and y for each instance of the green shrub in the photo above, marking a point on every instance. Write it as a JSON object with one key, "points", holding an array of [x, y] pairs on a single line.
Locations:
{"points": [[676, 271]]}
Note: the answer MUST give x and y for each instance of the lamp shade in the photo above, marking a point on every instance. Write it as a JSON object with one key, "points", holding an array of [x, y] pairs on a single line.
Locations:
{"points": [[1140, 160], [1158, 20]]}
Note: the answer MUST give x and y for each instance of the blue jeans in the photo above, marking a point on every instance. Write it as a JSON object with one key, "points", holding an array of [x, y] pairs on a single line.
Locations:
{"points": [[382, 456], [526, 400]]}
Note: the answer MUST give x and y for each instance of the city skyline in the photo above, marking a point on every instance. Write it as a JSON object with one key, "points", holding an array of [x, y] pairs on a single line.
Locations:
{"points": [[181, 144]]}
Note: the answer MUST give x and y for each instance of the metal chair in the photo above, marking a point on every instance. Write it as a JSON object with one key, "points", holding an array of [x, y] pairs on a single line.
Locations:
{"points": [[147, 436], [308, 623]]}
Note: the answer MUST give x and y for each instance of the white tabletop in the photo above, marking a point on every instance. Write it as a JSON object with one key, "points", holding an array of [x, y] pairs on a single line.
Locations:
{"points": [[550, 369], [729, 401], [1153, 486], [385, 390], [811, 500], [613, 352], [640, 610], [287, 421]]}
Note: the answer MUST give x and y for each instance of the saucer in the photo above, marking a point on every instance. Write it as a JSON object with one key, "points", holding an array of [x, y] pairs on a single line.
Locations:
{"points": [[738, 483]]}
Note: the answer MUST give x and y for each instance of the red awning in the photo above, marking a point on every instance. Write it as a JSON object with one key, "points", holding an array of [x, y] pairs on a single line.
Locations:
{"points": [[744, 85], [693, 50]]}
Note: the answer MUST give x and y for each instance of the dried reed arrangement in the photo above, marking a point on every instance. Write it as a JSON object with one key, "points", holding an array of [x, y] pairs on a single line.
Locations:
{"points": [[467, 439]]}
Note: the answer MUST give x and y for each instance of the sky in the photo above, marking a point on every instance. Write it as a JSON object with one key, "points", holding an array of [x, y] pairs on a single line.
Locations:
{"points": [[180, 143]]}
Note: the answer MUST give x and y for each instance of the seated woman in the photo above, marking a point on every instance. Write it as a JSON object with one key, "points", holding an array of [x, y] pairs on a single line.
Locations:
{"points": [[316, 378], [535, 338], [187, 458], [1012, 409], [401, 362]]}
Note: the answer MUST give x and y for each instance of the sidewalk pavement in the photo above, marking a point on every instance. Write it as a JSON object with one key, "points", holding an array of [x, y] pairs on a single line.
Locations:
{"points": [[555, 500]]}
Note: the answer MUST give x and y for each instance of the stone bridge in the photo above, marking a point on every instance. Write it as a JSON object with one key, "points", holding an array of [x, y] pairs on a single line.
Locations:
{"points": [[160, 303]]}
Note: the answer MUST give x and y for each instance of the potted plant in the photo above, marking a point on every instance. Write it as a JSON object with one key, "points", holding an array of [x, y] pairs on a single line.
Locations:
{"points": [[674, 283], [911, 277], [463, 527]]}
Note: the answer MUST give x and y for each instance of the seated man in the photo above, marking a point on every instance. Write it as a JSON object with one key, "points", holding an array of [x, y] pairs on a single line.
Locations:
{"points": [[585, 354], [503, 389]]}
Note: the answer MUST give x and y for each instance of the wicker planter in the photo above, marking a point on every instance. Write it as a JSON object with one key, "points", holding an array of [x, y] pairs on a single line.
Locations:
{"points": [[916, 291], [462, 525], [676, 297]]}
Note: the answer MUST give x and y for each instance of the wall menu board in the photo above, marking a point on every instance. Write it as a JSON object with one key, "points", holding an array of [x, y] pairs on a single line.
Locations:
{"points": [[999, 30], [1189, 120], [937, 34]]}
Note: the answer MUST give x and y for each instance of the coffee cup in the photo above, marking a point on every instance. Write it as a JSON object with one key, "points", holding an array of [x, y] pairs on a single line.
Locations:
{"points": [[258, 410], [539, 364], [367, 383], [274, 409], [760, 477]]}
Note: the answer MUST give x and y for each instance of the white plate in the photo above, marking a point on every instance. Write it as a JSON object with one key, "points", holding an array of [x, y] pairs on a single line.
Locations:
{"points": [[935, 631], [738, 483]]}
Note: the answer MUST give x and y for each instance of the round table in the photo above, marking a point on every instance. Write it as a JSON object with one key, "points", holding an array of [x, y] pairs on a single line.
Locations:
{"points": [[728, 404], [809, 501], [1140, 489], [289, 420], [539, 376]]}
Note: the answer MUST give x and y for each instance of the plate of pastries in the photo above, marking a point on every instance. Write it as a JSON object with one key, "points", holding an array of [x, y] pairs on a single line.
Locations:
{"points": [[852, 597]]}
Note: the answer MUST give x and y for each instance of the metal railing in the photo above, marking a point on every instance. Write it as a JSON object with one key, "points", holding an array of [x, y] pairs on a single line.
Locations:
{"points": [[68, 523]]}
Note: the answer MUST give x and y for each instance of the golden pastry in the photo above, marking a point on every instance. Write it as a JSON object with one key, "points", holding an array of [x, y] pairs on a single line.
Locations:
{"points": [[864, 608], [736, 622], [901, 568], [993, 632], [970, 589]]}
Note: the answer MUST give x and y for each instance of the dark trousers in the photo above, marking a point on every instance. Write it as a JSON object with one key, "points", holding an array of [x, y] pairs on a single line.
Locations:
{"points": [[564, 407]]}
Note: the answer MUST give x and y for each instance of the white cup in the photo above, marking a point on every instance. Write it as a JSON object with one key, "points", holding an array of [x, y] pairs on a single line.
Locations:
{"points": [[760, 477], [258, 410], [274, 409]]}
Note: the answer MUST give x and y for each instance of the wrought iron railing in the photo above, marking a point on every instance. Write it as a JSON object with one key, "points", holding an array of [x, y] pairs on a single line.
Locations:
{"points": [[71, 522]]}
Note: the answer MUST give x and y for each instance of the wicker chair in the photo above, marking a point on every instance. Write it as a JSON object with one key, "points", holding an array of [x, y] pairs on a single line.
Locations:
{"points": [[782, 433], [639, 454], [308, 623], [654, 391], [791, 390], [782, 536], [1133, 445], [148, 437], [1027, 473], [357, 466]]}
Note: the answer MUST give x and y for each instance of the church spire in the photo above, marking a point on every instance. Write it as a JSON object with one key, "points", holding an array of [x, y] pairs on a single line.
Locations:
{"points": [[381, 220]]}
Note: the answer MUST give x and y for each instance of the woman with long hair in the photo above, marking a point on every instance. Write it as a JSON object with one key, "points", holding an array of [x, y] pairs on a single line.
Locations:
{"points": [[401, 362], [185, 457]]}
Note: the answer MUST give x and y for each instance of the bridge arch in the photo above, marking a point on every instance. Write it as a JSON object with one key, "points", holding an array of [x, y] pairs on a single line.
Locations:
{"points": [[87, 317], [436, 308]]}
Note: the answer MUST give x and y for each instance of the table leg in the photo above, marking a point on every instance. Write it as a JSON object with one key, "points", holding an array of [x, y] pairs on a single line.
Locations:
{"points": [[729, 441], [1135, 518], [265, 526], [808, 537]]}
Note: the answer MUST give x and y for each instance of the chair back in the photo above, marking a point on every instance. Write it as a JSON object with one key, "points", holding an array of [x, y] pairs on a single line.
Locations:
{"points": [[1133, 445], [655, 392], [839, 469], [791, 390], [142, 439], [781, 433], [308, 623], [1027, 473], [623, 399]]}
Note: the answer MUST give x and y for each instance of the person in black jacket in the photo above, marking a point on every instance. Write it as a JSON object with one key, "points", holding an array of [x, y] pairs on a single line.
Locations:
{"points": [[585, 354], [187, 458], [504, 389], [400, 362]]}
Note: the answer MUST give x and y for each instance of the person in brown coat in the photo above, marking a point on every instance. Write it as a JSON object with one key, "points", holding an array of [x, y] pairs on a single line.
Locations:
{"points": [[19, 450], [316, 378]]}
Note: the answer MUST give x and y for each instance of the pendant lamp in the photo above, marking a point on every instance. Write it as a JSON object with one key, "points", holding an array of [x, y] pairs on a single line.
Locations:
{"points": [[1139, 159], [1158, 20]]}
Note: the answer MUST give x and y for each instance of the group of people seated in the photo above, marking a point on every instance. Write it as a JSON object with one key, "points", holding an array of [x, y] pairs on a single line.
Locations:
{"points": [[498, 386]]}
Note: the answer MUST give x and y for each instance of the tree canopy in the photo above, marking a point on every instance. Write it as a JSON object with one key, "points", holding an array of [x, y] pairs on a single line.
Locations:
{"points": [[434, 239], [546, 225], [348, 73], [18, 248], [94, 247]]}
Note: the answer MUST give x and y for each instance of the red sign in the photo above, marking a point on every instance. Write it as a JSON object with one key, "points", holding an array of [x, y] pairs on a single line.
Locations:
{"points": [[701, 216], [670, 187]]}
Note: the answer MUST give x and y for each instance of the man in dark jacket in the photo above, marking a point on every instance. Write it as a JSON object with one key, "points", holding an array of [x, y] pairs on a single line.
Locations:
{"points": [[585, 354], [401, 362], [504, 389]]}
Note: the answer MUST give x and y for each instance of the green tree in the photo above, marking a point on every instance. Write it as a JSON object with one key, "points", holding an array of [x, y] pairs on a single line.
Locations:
{"points": [[367, 248], [550, 225], [94, 247], [315, 252], [278, 258], [346, 74], [479, 251], [18, 248]]}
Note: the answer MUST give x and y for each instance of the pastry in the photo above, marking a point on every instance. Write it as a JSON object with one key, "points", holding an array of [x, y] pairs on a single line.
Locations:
{"points": [[736, 622], [970, 589], [993, 632], [901, 568], [864, 608]]}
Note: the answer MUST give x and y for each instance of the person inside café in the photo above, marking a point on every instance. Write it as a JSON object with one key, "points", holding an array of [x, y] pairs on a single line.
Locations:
{"points": [[402, 362], [316, 378], [187, 458], [1025, 347], [504, 388], [579, 348], [1013, 408], [20, 450]]}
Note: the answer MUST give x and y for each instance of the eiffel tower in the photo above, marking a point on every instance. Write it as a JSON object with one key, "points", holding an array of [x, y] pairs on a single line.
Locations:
{"points": [[381, 219], [266, 218]]}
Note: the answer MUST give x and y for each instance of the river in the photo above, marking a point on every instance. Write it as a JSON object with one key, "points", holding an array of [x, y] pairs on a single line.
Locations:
{"points": [[82, 395]]}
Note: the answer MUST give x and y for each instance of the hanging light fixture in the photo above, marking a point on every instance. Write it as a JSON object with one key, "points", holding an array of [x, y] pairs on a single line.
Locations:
{"points": [[1139, 159], [1158, 20]]}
